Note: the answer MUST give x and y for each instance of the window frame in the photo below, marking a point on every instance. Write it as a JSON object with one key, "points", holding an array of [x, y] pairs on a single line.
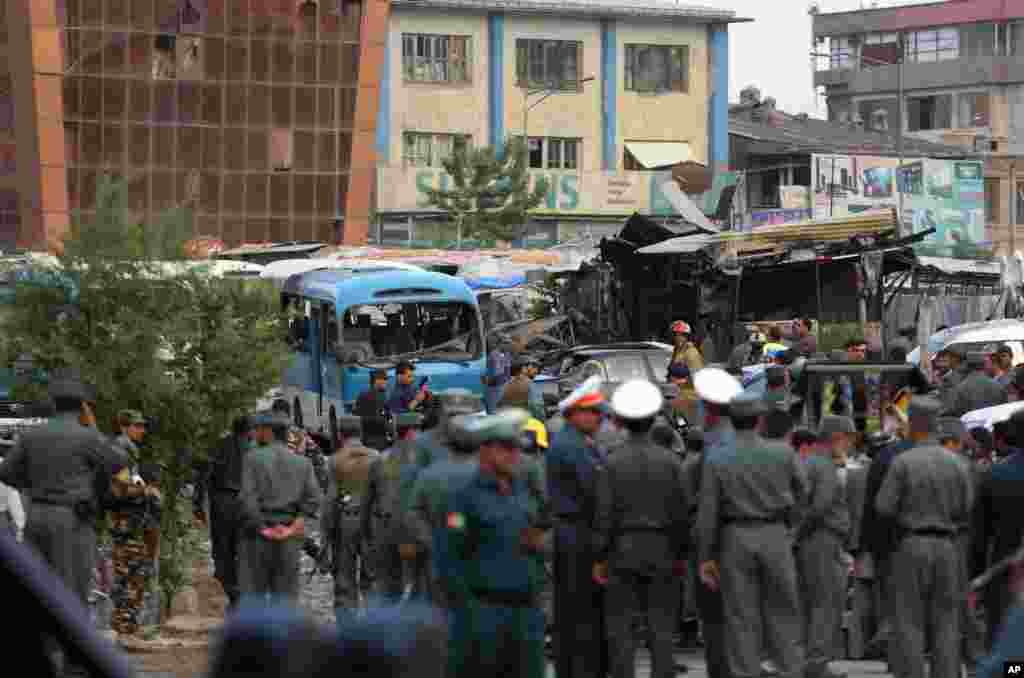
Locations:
{"points": [[973, 96], [410, 159], [842, 52], [913, 121], [677, 82], [545, 150], [431, 43], [932, 41], [525, 49]]}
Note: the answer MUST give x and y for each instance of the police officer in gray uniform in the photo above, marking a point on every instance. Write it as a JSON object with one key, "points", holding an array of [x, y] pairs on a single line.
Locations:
{"points": [[279, 491], [59, 466], [384, 522], [640, 533], [821, 537], [929, 492], [748, 494]]}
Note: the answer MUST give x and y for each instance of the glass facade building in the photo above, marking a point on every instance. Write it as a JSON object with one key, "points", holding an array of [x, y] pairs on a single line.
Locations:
{"points": [[240, 113]]}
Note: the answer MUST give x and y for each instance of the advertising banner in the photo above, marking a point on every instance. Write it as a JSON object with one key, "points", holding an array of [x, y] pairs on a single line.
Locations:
{"points": [[613, 194], [948, 195]]}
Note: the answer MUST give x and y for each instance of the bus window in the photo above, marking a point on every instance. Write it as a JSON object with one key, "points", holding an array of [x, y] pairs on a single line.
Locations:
{"points": [[296, 319], [330, 332], [440, 331]]}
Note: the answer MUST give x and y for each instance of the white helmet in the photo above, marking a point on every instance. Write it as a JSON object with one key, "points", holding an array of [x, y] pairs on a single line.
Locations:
{"points": [[637, 399], [716, 386]]}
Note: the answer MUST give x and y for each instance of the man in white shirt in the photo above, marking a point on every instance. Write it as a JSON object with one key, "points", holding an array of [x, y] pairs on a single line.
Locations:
{"points": [[12, 513]]}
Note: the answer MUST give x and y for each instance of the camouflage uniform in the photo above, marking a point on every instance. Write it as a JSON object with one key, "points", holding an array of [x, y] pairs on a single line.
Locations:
{"points": [[135, 536]]}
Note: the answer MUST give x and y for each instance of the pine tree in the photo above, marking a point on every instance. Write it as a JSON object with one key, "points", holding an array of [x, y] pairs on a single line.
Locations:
{"points": [[490, 196]]}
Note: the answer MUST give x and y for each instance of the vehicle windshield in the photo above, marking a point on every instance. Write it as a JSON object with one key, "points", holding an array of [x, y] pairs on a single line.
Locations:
{"points": [[427, 331]]}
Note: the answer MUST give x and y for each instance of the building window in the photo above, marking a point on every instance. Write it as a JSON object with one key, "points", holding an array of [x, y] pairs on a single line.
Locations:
{"points": [[436, 58], [657, 68], [978, 40], [929, 113], [425, 149], [992, 201], [281, 153], [940, 45], [880, 115], [880, 49], [554, 153], [6, 105], [1016, 38], [841, 52], [548, 64], [973, 110], [1020, 203]]}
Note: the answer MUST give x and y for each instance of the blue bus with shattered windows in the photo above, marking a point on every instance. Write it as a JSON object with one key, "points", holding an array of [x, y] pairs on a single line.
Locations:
{"points": [[342, 324]]}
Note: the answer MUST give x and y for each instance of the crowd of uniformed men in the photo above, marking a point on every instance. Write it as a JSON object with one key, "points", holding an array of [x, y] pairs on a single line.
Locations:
{"points": [[764, 528]]}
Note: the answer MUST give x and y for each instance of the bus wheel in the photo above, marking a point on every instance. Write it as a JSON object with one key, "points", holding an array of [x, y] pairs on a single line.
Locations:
{"points": [[297, 412], [332, 422]]}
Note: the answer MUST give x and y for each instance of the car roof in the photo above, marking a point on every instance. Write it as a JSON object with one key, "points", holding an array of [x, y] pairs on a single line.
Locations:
{"points": [[625, 347]]}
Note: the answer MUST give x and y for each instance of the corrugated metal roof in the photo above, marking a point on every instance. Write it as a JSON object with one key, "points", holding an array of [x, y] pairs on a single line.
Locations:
{"points": [[891, 19], [619, 8], [790, 134]]}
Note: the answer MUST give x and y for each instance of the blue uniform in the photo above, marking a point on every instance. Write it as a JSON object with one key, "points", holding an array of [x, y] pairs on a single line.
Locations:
{"points": [[572, 467], [498, 628]]}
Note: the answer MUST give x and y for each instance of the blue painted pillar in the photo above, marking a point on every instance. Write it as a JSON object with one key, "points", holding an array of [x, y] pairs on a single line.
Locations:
{"points": [[496, 78], [384, 104], [609, 94], [718, 118]]}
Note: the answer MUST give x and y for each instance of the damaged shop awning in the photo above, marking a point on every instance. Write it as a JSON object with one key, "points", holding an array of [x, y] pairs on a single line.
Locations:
{"points": [[657, 154]]}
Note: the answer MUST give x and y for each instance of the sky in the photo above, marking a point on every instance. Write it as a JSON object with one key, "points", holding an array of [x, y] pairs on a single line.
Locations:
{"points": [[773, 52]]}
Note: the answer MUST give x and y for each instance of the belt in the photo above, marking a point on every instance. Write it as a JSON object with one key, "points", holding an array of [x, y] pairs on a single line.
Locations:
{"points": [[51, 502], [935, 532], [571, 517], [226, 490], [382, 516], [506, 598], [750, 520], [655, 530]]}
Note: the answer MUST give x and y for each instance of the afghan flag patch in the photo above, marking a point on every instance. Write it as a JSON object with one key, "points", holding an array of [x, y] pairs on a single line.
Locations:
{"points": [[456, 521]]}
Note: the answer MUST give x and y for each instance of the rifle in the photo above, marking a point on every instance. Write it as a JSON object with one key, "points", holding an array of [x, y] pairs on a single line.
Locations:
{"points": [[986, 577]]}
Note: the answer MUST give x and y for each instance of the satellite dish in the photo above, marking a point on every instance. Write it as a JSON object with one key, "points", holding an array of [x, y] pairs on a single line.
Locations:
{"points": [[814, 8]]}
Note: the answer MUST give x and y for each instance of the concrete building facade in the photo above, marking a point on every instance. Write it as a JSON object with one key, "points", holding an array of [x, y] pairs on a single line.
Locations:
{"points": [[611, 93], [255, 118], [959, 66]]}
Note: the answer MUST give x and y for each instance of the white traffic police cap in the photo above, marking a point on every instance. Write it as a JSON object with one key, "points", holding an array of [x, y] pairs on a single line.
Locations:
{"points": [[637, 399], [587, 395], [717, 386]]}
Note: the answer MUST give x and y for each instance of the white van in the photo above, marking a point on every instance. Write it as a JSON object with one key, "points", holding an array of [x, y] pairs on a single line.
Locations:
{"points": [[974, 337]]}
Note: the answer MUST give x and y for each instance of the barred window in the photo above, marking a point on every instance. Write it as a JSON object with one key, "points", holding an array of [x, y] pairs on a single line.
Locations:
{"points": [[436, 58], [426, 149], [929, 46], [548, 64], [554, 153], [657, 68]]}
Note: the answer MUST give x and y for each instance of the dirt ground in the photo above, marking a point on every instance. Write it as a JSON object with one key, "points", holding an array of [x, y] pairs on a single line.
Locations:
{"points": [[186, 662]]}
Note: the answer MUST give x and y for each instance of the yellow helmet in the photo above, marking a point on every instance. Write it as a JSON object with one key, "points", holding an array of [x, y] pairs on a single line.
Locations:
{"points": [[540, 433]]}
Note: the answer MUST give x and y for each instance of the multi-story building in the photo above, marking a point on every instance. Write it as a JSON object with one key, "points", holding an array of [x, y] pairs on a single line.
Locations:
{"points": [[258, 116], [605, 91], [951, 72]]}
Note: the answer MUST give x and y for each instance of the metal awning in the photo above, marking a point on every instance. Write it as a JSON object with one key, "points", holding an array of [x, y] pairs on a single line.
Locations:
{"points": [[655, 154]]}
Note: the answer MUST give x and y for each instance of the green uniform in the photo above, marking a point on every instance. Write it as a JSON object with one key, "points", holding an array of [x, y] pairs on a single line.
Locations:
{"points": [[385, 523], [278, 486], [495, 583], [135, 537]]}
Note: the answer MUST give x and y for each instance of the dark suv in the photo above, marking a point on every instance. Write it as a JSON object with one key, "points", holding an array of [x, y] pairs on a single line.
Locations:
{"points": [[564, 370]]}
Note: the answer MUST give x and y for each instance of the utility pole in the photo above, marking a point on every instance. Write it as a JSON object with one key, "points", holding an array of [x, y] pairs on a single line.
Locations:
{"points": [[900, 58], [1013, 207]]}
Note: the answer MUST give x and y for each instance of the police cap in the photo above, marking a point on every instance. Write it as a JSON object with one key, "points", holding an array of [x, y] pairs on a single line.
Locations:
{"points": [[504, 427], [131, 418], [923, 412], [637, 399], [349, 425], [717, 386], [949, 428], [747, 405], [461, 432], [832, 423], [68, 384], [457, 401]]}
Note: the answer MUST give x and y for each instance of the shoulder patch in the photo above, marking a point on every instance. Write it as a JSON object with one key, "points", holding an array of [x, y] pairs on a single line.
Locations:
{"points": [[456, 521]]}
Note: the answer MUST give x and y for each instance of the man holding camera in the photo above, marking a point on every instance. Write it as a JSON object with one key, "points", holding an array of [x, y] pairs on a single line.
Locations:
{"points": [[407, 397]]}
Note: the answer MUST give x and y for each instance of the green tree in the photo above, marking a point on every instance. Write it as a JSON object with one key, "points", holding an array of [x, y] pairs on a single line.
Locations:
{"points": [[490, 195], [193, 350]]}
